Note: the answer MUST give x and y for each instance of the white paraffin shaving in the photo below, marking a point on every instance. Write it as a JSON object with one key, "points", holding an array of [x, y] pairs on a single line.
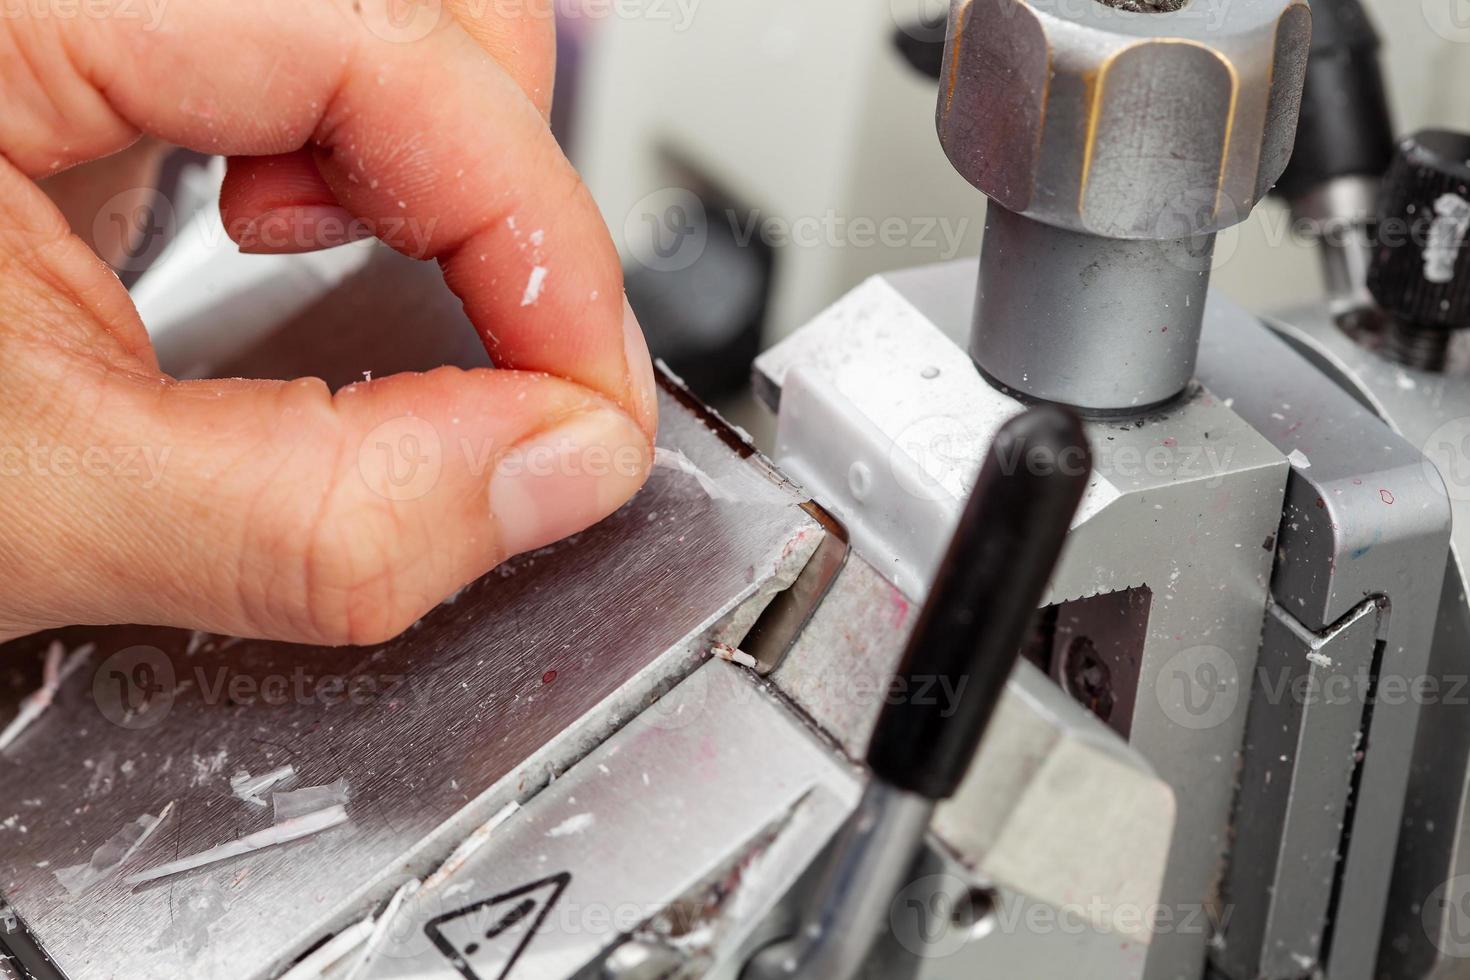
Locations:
{"points": [[318, 965], [572, 825], [534, 286], [281, 833], [379, 934], [112, 854], [53, 674], [251, 788], [726, 652], [361, 941], [674, 460], [308, 799], [469, 846]]}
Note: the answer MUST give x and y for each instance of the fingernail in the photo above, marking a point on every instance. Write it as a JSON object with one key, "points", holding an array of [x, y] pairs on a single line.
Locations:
{"points": [[566, 479], [303, 228], [640, 371]]}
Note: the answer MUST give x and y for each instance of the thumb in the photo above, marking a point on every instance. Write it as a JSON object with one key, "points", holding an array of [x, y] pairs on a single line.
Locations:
{"points": [[280, 510]]}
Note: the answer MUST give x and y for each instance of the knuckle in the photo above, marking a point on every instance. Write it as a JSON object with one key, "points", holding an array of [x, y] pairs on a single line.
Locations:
{"points": [[53, 118], [359, 589], [337, 565]]}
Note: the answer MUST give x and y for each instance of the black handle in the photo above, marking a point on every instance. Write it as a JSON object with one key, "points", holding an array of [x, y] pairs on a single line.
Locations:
{"points": [[1421, 268], [1345, 128], [983, 601]]}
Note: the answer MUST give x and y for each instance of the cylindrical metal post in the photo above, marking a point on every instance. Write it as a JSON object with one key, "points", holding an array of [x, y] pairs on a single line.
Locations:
{"points": [[1105, 325], [1113, 139]]}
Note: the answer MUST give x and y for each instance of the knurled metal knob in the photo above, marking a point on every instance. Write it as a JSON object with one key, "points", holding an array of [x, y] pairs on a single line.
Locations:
{"points": [[1136, 119], [1421, 267]]}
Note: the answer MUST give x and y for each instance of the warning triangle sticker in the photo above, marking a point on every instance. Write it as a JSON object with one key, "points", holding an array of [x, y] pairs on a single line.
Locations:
{"points": [[483, 941]]}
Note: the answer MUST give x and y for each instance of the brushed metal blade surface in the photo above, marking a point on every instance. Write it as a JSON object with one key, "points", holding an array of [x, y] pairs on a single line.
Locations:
{"points": [[484, 701]]}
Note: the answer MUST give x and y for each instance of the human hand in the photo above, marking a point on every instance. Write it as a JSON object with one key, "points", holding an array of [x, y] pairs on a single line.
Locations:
{"points": [[278, 509]]}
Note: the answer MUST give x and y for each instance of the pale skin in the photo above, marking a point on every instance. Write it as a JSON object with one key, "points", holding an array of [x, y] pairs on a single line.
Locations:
{"points": [[262, 508]]}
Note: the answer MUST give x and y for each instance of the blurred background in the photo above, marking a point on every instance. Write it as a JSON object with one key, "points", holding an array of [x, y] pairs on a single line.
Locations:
{"points": [[817, 120], [754, 160]]}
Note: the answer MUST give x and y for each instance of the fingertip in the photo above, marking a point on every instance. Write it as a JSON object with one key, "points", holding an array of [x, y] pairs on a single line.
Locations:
{"points": [[567, 477], [296, 229], [260, 195], [642, 388]]}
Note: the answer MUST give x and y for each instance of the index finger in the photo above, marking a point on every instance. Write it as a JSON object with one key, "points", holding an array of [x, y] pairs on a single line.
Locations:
{"points": [[434, 147]]}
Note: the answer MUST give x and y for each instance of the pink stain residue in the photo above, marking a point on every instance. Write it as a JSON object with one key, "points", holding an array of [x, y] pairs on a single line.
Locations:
{"points": [[1386, 496], [900, 611]]}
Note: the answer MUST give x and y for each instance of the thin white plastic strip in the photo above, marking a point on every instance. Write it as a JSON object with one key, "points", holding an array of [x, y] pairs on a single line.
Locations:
{"points": [[735, 656], [320, 961], [251, 788], [281, 833], [308, 799], [325, 962], [674, 460], [54, 673], [112, 854], [380, 929], [469, 846]]}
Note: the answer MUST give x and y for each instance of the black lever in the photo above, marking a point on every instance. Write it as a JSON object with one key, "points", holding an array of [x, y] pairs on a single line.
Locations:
{"points": [[983, 602], [969, 634]]}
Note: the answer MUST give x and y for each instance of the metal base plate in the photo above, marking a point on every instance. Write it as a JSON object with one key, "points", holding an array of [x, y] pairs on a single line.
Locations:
{"points": [[483, 702]]}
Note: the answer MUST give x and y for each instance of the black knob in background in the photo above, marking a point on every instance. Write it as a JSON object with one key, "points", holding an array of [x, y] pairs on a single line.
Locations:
{"points": [[1420, 272], [705, 320], [921, 42], [1345, 128], [983, 601]]}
